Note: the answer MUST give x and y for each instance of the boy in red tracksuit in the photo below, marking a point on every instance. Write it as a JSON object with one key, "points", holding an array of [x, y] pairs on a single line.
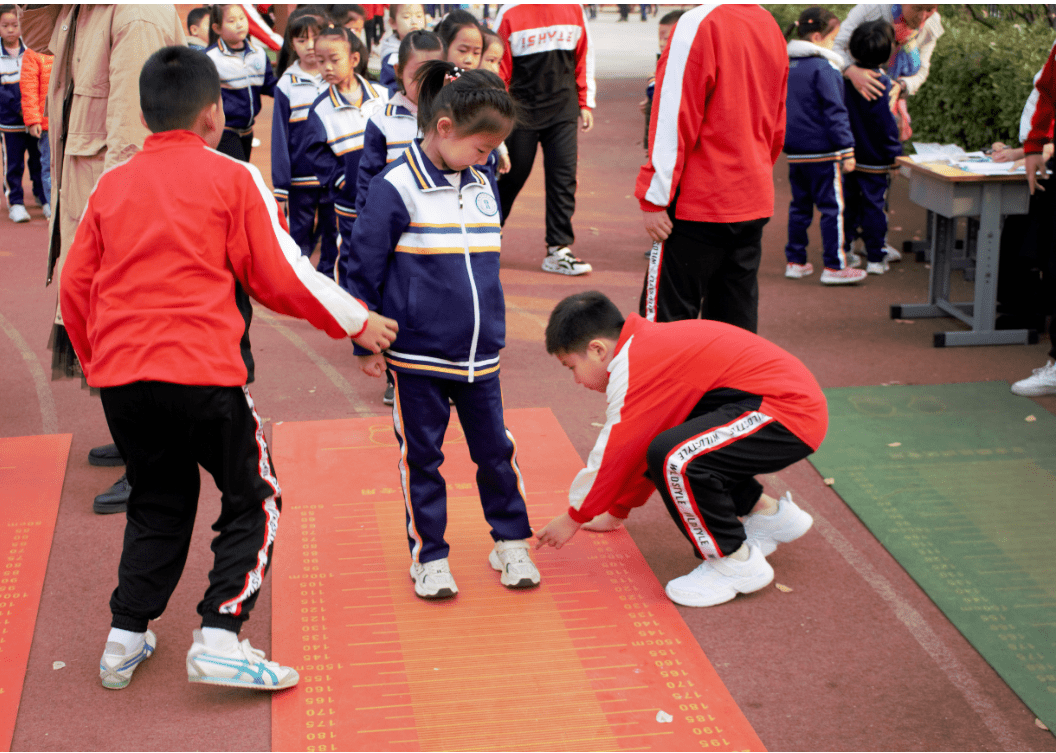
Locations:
{"points": [[696, 409], [155, 298], [716, 130]]}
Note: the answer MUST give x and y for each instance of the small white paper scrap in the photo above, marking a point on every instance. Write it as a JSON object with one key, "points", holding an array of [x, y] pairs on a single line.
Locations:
{"points": [[58, 664], [894, 444], [663, 717], [1031, 419]]}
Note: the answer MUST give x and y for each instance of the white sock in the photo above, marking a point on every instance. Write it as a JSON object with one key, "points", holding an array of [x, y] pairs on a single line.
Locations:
{"points": [[220, 639], [552, 249], [131, 641], [742, 554]]}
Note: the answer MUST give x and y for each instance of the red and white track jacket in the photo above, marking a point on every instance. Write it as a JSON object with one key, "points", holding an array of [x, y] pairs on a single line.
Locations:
{"points": [[718, 119], [548, 64], [151, 285], [659, 373], [1045, 110]]}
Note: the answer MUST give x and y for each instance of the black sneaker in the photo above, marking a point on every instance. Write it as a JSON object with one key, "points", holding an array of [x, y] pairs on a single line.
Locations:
{"points": [[106, 455], [114, 499], [390, 394]]}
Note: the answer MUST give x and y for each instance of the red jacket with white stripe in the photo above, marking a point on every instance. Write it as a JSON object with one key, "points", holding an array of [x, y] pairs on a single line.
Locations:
{"points": [[548, 64], [152, 289], [659, 373], [718, 119], [1045, 110]]}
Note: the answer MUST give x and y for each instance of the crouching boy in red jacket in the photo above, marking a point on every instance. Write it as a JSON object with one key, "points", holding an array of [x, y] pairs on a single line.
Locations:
{"points": [[155, 298], [696, 409]]}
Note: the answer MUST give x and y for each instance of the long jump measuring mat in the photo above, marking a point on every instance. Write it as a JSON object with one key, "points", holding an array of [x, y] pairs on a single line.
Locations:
{"points": [[596, 657], [31, 474]]}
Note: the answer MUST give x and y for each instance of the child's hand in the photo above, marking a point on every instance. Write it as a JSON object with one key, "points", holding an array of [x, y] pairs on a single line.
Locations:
{"points": [[657, 224], [372, 365], [504, 164], [1035, 164], [587, 118], [848, 165], [379, 334], [643, 106], [557, 532], [604, 522], [35, 130]]}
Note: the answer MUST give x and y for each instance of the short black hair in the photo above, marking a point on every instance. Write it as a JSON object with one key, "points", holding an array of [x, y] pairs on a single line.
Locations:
{"points": [[669, 18], [8, 9], [871, 43], [194, 18], [175, 85], [580, 318], [453, 23]]}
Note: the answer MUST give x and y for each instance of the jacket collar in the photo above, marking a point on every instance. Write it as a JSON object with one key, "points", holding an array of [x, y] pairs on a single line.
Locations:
{"points": [[222, 46], [400, 106], [165, 139], [298, 75], [21, 48], [801, 48], [430, 178], [338, 100]]}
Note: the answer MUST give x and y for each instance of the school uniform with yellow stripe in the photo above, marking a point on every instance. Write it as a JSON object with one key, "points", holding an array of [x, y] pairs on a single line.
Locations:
{"points": [[427, 255]]}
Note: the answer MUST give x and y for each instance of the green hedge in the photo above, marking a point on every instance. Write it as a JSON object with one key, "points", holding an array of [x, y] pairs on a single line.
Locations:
{"points": [[979, 80]]}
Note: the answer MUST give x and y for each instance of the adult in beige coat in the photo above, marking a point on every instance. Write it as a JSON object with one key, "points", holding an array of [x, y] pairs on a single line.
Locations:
{"points": [[93, 109]]}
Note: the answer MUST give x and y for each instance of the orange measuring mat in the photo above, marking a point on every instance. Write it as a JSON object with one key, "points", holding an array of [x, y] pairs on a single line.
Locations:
{"points": [[31, 474], [586, 661]]}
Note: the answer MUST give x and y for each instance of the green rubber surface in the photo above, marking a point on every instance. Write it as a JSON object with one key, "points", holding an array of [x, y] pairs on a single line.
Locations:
{"points": [[958, 482]]}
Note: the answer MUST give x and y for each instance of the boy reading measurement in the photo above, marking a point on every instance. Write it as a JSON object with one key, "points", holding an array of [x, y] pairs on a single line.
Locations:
{"points": [[696, 409]]}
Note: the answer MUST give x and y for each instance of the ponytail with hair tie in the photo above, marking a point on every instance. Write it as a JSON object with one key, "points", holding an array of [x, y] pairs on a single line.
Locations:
{"points": [[476, 100]]}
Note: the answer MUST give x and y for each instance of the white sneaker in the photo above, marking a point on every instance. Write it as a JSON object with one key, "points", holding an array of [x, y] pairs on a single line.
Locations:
{"points": [[795, 271], [787, 524], [18, 213], [845, 276], [512, 560], [433, 580], [891, 253], [563, 262], [116, 666], [1041, 382], [718, 581], [240, 667], [46, 209], [855, 255], [876, 267]]}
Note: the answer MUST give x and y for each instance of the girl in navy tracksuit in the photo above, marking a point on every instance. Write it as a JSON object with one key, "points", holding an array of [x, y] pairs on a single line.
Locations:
{"points": [[427, 255], [819, 146], [245, 74], [300, 84], [16, 143], [334, 131]]}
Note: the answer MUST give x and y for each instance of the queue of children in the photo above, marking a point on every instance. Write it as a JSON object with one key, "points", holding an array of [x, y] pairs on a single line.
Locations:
{"points": [[840, 148]]}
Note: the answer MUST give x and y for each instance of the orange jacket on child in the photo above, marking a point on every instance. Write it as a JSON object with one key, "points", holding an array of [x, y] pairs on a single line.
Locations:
{"points": [[36, 75]]}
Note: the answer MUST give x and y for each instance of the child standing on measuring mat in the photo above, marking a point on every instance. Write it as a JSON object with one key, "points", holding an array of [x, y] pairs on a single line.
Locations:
{"points": [[427, 255], [155, 297], [696, 409]]}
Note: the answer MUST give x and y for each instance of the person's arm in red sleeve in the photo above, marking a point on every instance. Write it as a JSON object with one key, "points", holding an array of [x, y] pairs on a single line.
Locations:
{"points": [[82, 264], [585, 83], [1041, 125], [777, 143], [506, 64], [685, 77]]}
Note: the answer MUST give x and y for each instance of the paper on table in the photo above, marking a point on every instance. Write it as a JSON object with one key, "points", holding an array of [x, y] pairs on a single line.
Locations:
{"points": [[990, 168]]}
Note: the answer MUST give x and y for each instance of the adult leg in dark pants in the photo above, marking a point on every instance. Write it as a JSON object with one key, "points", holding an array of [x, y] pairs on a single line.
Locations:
{"points": [[707, 270], [705, 471], [522, 144]]}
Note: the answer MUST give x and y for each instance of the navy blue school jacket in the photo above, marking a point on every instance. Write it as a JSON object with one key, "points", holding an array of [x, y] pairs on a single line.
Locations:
{"points": [[875, 130], [818, 129]]}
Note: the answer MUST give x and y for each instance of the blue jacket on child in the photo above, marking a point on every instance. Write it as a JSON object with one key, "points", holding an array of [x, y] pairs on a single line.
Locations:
{"points": [[294, 95], [427, 255], [818, 129], [388, 133], [244, 75], [10, 93], [875, 129]]}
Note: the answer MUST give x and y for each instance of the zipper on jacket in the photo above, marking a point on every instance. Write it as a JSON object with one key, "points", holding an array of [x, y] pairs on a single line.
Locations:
{"points": [[473, 287]]}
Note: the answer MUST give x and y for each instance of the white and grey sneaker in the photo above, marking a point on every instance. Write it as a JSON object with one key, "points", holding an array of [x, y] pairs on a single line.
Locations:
{"points": [[561, 261], [511, 558], [1041, 382], [241, 667], [787, 524], [18, 213], [876, 267], [433, 580], [891, 253], [117, 665], [718, 581]]}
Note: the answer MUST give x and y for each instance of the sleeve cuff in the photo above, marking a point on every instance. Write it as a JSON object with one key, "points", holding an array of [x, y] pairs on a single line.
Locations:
{"points": [[620, 511], [648, 206], [578, 516]]}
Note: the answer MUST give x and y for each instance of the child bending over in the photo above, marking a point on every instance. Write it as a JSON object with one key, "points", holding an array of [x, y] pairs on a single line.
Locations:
{"points": [[155, 297], [427, 255], [696, 409]]}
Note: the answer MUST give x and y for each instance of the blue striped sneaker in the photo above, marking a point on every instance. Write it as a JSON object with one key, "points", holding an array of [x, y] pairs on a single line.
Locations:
{"points": [[241, 667], [116, 666]]}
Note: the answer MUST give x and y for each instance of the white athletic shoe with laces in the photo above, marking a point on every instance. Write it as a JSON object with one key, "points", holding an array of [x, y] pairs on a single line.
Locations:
{"points": [[876, 267], [511, 558], [562, 261], [1041, 382], [241, 667], [116, 666], [787, 524], [433, 580], [18, 213], [891, 253], [718, 581]]}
